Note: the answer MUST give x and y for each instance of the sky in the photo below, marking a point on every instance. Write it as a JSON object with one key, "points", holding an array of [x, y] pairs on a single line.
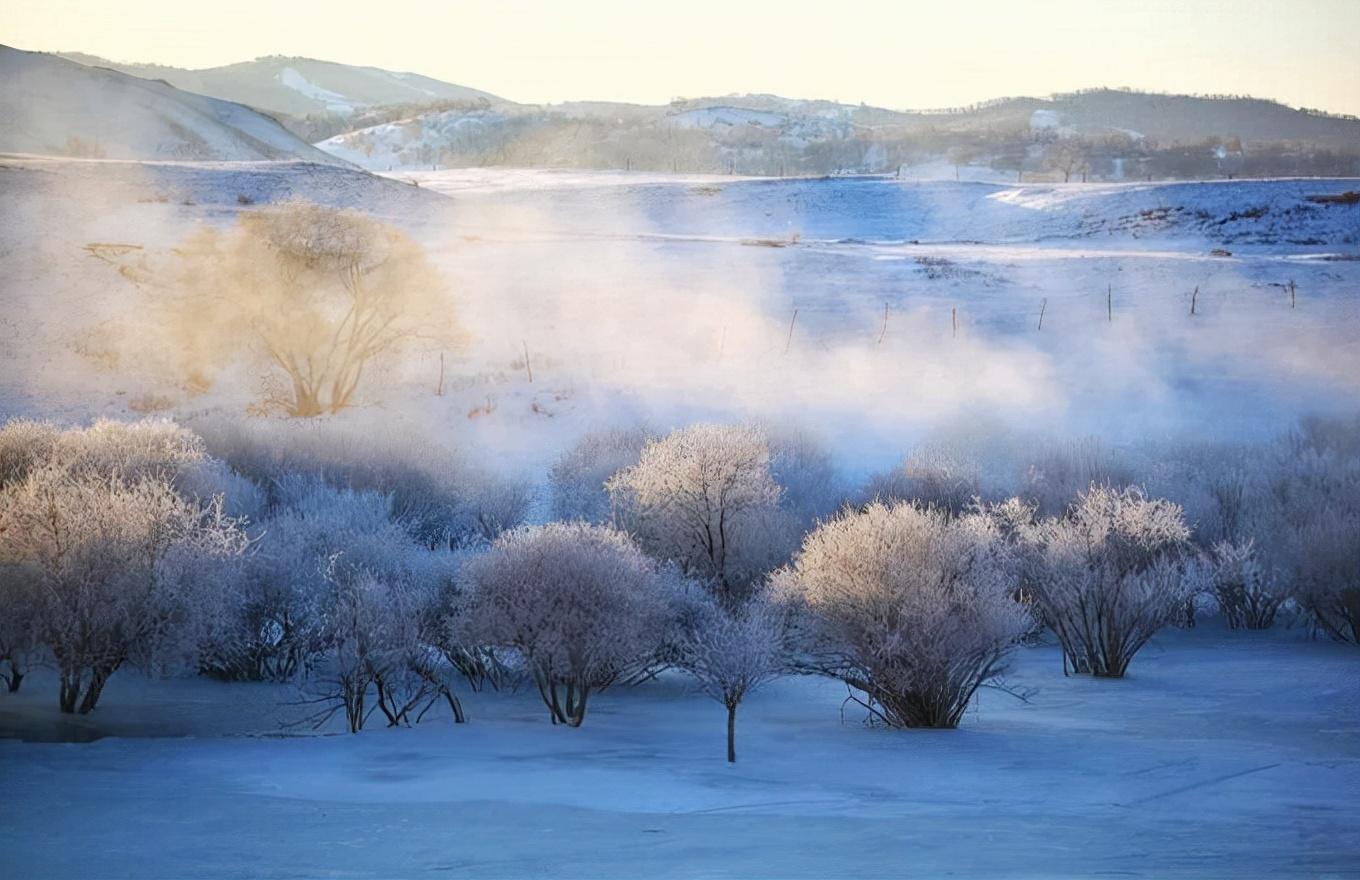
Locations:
{"points": [[899, 54]]}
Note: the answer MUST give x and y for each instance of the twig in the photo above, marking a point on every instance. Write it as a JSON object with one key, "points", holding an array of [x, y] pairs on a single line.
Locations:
{"points": [[788, 342], [528, 366], [884, 331], [1043, 306], [1194, 298]]}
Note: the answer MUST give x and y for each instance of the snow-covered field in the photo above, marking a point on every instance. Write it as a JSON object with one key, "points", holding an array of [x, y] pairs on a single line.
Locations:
{"points": [[870, 311], [1222, 755]]}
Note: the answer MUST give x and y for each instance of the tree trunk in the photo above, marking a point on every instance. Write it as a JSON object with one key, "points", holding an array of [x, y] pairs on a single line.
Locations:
{"points": [[97, 682], [731, 733], [70, 691], [15, 677]]}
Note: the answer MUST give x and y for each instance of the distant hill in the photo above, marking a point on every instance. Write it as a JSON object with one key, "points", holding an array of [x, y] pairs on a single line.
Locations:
{"points": [[54, 106], [300, 86], [1103, 133]]}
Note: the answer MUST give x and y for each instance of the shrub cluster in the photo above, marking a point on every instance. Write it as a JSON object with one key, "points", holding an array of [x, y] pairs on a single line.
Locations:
{"points": [[382, 576]]}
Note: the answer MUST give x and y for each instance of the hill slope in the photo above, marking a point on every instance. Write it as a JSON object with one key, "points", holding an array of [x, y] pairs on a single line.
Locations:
{"points": [[300, 86], [54, 106], [1118, 135]]}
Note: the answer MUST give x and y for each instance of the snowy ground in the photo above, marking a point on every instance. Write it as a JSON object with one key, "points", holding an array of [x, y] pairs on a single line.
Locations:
{"points": [[1222, 755]]}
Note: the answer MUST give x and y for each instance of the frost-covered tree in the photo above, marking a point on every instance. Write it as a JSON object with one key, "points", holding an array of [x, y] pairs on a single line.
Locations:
{"points": [[1248, 594], [913, 608], [580, 603], [1111, 573], [318, 293], [577, 479], [374, 636], [732, 649], [704, 498], [314, 543], [114, 571], [1328, 573]]}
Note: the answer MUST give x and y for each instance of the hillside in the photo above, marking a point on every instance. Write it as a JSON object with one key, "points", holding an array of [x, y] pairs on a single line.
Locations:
{"points": [[1105, 134], [50, 105], [300, 86]]}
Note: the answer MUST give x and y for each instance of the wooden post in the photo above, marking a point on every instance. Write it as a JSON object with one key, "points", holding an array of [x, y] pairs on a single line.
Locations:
{"points": [[1043, 306], [1109, 303], [1292, 288], [1194, 298], [884, 331], [527, 366], [789, 341]]}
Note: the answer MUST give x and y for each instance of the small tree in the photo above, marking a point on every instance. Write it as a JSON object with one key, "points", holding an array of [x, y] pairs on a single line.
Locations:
{"points": [[911, 607], [580, 603], [731, 651], [704, 498], [1110, 574], [318, 292]]}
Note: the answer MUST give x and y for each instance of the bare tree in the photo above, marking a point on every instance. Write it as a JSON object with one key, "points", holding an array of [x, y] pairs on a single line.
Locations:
{"points": [[580, 603], [319, 292], [911, 607], [1068, 156], [732, 650]]}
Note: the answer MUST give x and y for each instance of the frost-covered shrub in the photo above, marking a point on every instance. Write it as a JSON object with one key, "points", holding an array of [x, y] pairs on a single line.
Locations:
{"points": [[1328, 573], [914, 608], [373, 632], [317, 539], [703, 497], [580, 603], [115, 569], [436, 494], [1110, 573], [577, 479], [25, 445], [732, 649], [1248, 595]]}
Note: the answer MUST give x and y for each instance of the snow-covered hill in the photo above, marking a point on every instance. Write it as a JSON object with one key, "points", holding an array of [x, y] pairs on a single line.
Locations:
{"points": [[300, 86], [52, 106]]}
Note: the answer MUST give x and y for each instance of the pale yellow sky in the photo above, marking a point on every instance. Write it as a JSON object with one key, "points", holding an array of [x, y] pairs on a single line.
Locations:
{"points": [[894, 54]]}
